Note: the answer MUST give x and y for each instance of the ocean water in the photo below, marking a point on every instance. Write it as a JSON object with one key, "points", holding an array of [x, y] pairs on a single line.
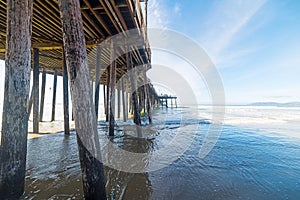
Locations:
{"points": [[255, 157]]}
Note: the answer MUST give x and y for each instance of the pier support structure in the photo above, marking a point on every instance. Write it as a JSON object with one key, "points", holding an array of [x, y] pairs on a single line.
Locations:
{"points": [[134, 91], [97, 81], [54, 96], [85, 118], [44, 78], [66, 97], [124, 101], [107, 93], [13, 146], [112, 91], [35, 91]]}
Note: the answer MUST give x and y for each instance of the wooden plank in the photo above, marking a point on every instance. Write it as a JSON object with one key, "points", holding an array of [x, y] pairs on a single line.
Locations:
{"points": [[66, 97], [85, 120], [36, 91], [54, 95], [43, 95], [17, 84], [105, 5]]}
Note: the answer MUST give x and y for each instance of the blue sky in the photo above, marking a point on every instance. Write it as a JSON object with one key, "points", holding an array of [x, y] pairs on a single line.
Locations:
{"points": [[254, 44]]}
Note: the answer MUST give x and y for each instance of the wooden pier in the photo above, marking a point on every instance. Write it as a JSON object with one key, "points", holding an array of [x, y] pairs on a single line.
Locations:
{"points": [[163, 100], [62, 38]]}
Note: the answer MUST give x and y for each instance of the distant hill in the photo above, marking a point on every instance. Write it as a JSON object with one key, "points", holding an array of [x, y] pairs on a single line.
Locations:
{"points": [[288, 104]]}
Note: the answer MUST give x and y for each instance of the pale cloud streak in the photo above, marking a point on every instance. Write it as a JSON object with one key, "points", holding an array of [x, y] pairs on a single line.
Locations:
{"points": [[224, 23], [157, 15], [177, 9]]}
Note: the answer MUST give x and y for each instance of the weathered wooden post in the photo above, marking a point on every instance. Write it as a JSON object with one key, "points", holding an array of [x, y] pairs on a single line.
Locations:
{"points": [[97, 81], [54, 95], [85, 118], [36, 92], [140, 99], [112, 92], [15, 116], [107, 94], [124, 101], [66, 97], [127, 104], [134, 90], [104, 99], [147, 97], [119, 98], [43, 95], [29, 105]]}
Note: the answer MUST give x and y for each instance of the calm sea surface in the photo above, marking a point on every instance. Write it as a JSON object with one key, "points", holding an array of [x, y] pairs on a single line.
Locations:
{"points": [[257, 156]]}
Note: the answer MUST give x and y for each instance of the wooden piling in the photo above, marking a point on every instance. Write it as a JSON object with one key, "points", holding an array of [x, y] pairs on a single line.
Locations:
{"points": [[97, 80], [85, 118], [54, 95], [112, 92], [136, 114], [29, 105], [104, 99], [119, 98], [127, 105], [66, 97], [107, 94], [140, 99], [36, 91], [43, 95], [124, 102], [147, 97], [13, 146]]}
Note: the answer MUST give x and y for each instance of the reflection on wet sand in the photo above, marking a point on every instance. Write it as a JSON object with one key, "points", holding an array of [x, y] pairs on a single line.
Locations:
{"points": [[53, 169]]}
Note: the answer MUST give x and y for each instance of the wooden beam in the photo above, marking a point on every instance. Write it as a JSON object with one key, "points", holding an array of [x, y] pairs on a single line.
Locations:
{"points": [[85, 120], [36, 92], [13, 146], [43, 95], [54, 95], [98, 17], [113, 21]]}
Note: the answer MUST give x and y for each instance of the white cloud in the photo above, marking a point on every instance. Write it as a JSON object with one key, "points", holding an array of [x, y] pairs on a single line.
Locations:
{"points": [[223, 24], [177, 9], [157, 15]]}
